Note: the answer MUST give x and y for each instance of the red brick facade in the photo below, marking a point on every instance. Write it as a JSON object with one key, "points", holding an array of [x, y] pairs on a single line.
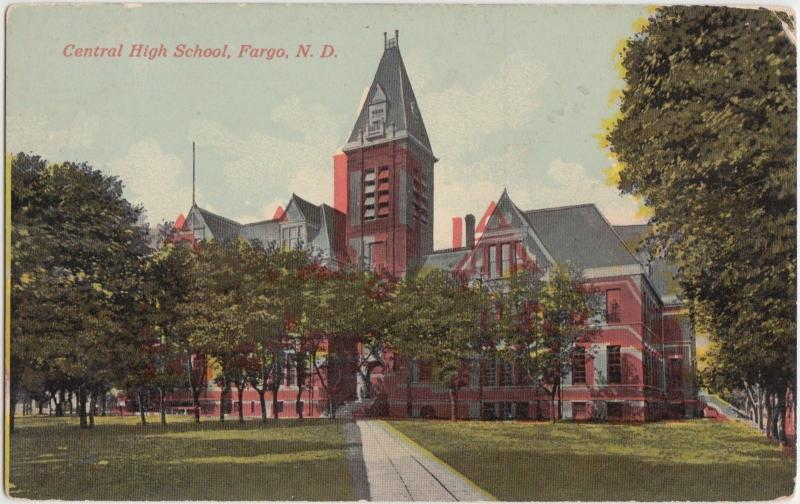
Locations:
{"points": [[638, 365]]}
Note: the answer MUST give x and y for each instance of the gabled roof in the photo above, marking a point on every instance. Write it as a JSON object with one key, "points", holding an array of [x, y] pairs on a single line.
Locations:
{"points": [[221, 227], [580, 235], [329, 220], [310, 211], [391, 80]]}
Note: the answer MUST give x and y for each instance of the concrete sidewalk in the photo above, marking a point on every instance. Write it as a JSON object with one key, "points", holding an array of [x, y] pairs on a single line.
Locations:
{"points": [[400, 470]]}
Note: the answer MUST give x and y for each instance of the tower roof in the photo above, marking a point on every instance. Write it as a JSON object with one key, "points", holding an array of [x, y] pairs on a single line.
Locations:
{"points": [[392, 86]]}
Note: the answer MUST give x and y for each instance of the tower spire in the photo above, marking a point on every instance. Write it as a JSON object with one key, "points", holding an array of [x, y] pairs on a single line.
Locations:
{"points": [[193, 175]]}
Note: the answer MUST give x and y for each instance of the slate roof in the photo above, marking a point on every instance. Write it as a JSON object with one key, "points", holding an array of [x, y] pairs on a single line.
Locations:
{"points": [[309, 210], [403, 110], [633, 235], [221, 227], [581, 235], [445, 259]]}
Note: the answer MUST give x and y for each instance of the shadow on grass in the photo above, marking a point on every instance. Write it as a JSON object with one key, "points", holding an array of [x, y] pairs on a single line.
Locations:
{"points": [[570, 476], [281, 460], [568, 461]]}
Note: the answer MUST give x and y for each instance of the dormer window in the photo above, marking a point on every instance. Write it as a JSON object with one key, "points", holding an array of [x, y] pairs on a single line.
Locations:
{"points": [[376, 127]]}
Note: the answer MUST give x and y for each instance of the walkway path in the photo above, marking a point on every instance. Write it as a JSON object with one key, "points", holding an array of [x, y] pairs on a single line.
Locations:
{"points": [[400, 470]]}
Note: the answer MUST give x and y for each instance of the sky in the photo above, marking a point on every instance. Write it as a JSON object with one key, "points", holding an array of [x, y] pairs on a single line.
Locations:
{"points": [[512, 96]]}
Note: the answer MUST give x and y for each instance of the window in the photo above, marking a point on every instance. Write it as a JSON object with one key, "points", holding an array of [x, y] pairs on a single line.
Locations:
{"points": [[675, 374], [492, 261], [579, 411], [505, 254], [488, 412], [613, 305], [614, 364], [369, 194], [506, 374], [579, 366], [375, 257], [614, 410], [291, 236], [519, 255], [377, 120], [424, 371], [521, 410], [489, 375]]}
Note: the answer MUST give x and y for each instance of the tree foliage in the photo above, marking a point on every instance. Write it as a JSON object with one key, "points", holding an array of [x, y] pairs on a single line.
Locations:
{"points": [[706, 138]]}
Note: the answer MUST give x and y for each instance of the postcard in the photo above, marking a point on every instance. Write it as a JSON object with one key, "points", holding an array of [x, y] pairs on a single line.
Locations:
{"points": [[400, 252]]}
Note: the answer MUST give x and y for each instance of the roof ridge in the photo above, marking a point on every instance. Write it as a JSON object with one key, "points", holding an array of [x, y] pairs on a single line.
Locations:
{"points": [[629, 225], [448, 250], [303, 200], [624, 245], [257, 222], [564, 207], [201, 209]]}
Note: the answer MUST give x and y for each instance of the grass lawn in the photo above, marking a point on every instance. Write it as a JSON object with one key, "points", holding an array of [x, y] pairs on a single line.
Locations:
{"points": [[691, 460], [51, 458]]}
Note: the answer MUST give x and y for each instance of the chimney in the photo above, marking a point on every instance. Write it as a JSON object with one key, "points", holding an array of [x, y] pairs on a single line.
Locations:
{"points": [[469, 222], [457, 232]]}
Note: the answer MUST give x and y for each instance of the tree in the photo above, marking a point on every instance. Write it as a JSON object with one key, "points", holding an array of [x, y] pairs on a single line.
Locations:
{"points": [[276, 301], [178, 313], [542, 322], [438, 320], [706, 138], [77, 251]]}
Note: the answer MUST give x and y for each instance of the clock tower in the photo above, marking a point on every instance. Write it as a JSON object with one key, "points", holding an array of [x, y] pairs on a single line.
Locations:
{"points": [[384, 175]]}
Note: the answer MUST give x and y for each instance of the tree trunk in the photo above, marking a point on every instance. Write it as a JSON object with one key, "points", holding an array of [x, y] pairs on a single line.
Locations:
{"points": [[195, 386], [560, 399], [782, 416], [275, 403], [263, 404], [480, 389], [196, 405], [409, 404], [223, 399], [161, 406], [60, 403], [82, 407], [41, 406], [453, 404], [298, 402], [240, 389], [91, 409], [141, 408]]}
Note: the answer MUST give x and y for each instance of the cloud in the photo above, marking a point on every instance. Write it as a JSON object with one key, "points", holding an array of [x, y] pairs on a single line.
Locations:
{"points": [[33, 133], [571, 185], [152, 178], [461, 119], [263, 165]]}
